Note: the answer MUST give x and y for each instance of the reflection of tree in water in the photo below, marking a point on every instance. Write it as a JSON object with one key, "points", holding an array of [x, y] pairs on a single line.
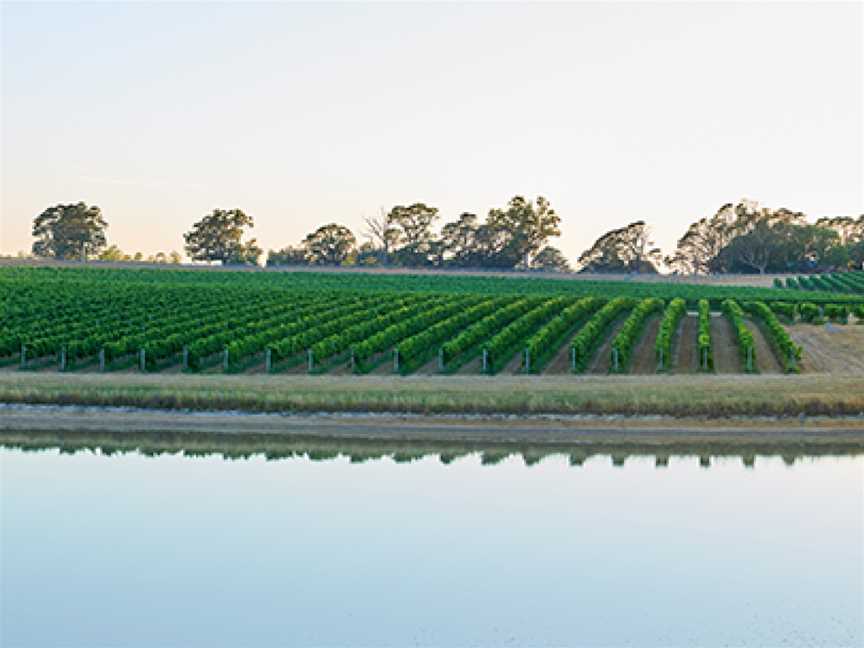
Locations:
{"points": [[277, 448]]}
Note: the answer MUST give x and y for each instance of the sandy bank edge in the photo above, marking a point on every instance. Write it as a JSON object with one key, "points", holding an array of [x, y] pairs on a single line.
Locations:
{"points": [[503, 429]]}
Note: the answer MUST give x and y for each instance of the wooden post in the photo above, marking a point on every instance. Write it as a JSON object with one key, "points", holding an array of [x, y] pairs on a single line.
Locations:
{"points": [[23, 356], [396, 360], [661, 360], [63, 358], [102, 359], [310, 360], [268, 360], [142, 360], [527, 361], [441, 359], [573, 359], [485, 361], [225, 359], [615, 366], [705, 358], [749, 358], [353, 361], [185, 357]]}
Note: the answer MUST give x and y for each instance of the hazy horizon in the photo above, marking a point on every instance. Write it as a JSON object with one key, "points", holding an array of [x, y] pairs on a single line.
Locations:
{"points": [[305, 114]]}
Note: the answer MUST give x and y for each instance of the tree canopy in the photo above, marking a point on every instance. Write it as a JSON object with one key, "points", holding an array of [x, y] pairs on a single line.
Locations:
{"points": [[550, 259], [740, 237], [330, 244], [747, 238], [410, 229], [73, 231], [523, 227], [219, 237], [624, 250]]}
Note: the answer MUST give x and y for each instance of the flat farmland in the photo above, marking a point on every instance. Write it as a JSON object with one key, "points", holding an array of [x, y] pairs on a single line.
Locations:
{"points": [[76, 321]]}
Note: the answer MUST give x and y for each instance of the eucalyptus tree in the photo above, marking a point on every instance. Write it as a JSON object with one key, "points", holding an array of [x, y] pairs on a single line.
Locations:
{"points": [[219, 237], [73, 231]]}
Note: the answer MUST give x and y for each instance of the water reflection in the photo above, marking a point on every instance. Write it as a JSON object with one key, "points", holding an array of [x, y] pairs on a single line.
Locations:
{"points": [[226, 540], [275, 448]]}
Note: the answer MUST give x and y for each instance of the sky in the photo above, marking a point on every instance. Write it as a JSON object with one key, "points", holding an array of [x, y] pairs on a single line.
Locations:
{"points": [[306, 114]]}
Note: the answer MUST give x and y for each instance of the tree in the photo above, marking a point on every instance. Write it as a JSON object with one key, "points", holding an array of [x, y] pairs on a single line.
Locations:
{"points": [[459, 242], [287, 256], [856, 255], [368, 254], [69, 232], [847, 228], [627, 249], [760, 239], [113, 253], [550, 259], [703, 241], [525, 227], [383, 237], [330, 244], [174, 257], [218, 237], [413, 227]]}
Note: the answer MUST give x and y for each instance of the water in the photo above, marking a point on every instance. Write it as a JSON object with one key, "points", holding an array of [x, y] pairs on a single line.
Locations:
{"points": [[172, 550]]}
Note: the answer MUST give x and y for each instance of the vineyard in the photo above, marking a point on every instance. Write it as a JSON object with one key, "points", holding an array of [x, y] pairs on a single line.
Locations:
{"points": [[107, 320], [837, 282]]}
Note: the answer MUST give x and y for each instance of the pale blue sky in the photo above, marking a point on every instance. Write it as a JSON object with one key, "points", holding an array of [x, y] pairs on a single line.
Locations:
{"points": [[306, 114]]}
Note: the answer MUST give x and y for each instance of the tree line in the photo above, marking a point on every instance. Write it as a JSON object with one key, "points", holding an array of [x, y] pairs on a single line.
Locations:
{"points": [[738, 238]]}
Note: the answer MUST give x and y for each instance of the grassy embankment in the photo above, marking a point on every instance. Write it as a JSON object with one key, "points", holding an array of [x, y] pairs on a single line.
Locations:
{"points": [[675, 396]]}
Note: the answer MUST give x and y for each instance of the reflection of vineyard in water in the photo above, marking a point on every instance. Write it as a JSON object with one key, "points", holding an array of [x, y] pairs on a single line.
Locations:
{"points": [[272, 448]]}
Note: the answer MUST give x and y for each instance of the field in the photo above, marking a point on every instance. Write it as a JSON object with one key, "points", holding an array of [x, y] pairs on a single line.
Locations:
{"points": [[171, 321], [669, 396], [845, 282]]}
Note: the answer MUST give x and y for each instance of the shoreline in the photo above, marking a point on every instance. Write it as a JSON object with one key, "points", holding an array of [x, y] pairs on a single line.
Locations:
{"points": [[20, 421]]}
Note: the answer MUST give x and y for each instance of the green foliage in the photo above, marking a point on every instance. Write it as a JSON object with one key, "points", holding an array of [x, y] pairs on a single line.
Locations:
{"points": [[746, 348], [330, 244], [786, 350], [810, 313], [590, 336], [424, 317], [785, 309], [420, 347], [503, 345], [481, 331], [629, 335], [69, 232], [703, 340], [546, 341], [162, 311], [676, 309], [837, 313], [218, 237]]}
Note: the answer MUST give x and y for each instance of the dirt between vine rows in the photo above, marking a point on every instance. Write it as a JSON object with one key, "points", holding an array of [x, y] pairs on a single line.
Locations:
{"points": [[644, 359], [685, 347], [831, 348], [429, 368], [724, 346], [561, 362], [602, 360], [296, 369], [474, 366], [766, 361], [514, 366]]}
